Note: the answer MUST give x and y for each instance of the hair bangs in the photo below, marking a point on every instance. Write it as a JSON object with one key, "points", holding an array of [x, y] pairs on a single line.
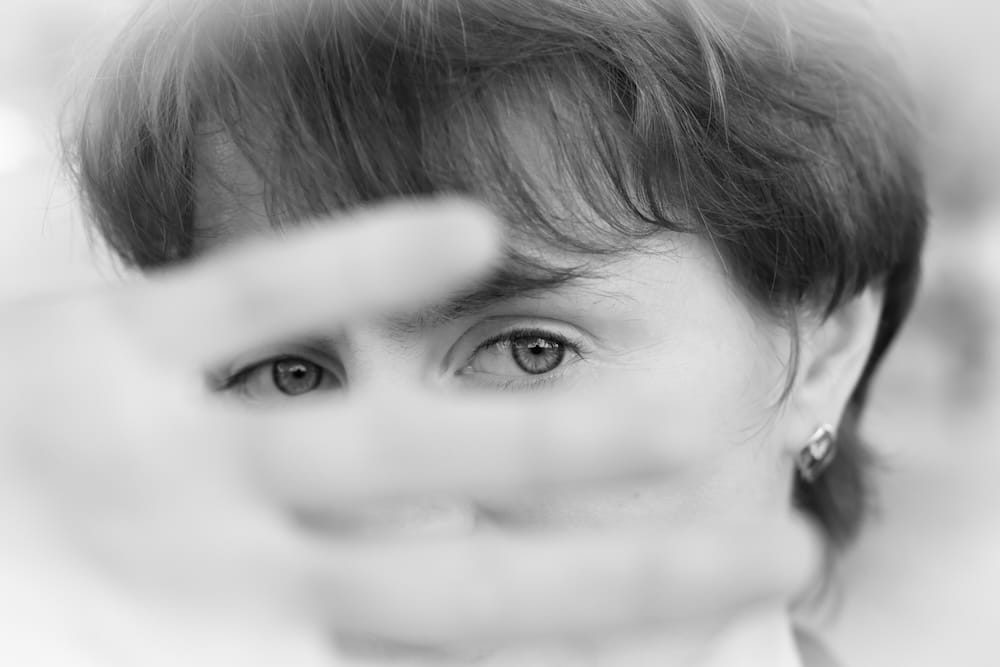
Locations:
{"points": [[330, 118]]}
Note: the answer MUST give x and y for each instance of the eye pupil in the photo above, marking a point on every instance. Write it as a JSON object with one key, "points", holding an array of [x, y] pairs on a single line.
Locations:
{"points": [[294, 377], [537, 355]]}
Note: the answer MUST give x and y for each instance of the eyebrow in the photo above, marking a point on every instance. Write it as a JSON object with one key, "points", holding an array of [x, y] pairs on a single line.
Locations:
{"points": [[517, 278]]}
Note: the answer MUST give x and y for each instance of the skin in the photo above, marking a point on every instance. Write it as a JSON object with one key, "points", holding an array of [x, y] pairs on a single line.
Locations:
{"points": [[666, 316]]}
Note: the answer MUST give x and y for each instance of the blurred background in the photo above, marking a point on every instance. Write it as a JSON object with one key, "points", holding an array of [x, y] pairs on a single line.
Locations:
{"points": [[923, 586]]}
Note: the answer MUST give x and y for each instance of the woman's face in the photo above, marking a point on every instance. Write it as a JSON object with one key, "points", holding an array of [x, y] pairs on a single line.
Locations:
{"points": [[666, 315]]}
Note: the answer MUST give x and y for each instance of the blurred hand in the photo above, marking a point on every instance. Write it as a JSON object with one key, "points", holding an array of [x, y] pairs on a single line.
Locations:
{"points": [[145, 521]]}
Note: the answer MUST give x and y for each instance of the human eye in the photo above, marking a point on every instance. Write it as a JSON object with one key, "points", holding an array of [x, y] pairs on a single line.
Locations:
{"points": [[282, 377], [523, 357]]}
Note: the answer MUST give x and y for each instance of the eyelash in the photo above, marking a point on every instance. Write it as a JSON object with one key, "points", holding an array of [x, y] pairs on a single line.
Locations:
{"points": [[517, 334], [536, 381], [239, 378]]}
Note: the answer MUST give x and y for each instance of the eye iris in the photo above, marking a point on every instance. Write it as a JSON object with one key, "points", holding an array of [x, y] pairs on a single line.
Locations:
{"points": [[296, 376], [537, 355]]}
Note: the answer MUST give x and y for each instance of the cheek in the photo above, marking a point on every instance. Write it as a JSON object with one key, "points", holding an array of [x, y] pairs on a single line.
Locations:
{"points": [[716, 408]]}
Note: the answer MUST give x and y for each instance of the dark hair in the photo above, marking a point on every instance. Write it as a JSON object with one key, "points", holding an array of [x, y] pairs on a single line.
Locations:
{"points": [[781, 130]]}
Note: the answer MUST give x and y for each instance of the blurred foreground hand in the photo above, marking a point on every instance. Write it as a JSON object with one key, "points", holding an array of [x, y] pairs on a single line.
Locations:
{"points": [[144, 521]]}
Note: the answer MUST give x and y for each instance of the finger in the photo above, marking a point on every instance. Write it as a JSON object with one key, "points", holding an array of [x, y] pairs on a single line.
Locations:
{"points": [[410, 445], [385, 259], [526, 588]]}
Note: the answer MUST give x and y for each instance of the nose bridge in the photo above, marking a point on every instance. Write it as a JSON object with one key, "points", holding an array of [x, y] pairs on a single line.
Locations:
{"points": [[382, 360], [396, 353], [387, 357]]}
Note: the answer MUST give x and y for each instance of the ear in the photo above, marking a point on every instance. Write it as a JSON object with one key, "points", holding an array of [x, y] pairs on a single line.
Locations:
{"points": [[832, 355]]}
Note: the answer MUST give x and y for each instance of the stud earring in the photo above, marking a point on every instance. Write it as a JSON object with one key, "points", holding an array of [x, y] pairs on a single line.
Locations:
{"points": [[817, 454]]}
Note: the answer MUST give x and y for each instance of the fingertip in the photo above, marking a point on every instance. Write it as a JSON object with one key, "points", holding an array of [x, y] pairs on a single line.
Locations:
{"points": [[468, 229], [453, 237]]}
